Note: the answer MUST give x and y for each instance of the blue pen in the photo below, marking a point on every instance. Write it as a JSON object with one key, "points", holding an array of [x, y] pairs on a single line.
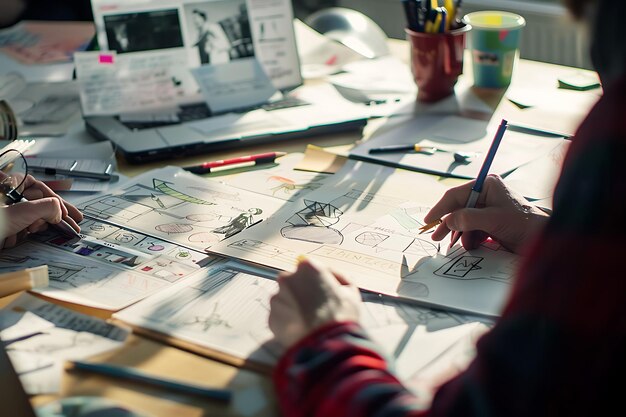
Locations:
{"points": [[410, 11], [444, 16], [482, 174], [135, 375]]}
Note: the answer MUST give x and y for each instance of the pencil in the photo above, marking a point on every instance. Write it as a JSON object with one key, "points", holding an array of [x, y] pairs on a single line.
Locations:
{"points": [[429, 226], [482, 175], [131, 374]]}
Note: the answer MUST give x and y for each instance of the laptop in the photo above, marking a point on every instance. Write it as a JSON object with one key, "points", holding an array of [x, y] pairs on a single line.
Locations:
{"points": [[224, 43]]}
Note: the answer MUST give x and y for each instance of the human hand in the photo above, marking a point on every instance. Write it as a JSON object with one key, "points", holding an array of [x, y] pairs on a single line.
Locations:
{"points": [[500, 213], [309, 298], [44, 207]]}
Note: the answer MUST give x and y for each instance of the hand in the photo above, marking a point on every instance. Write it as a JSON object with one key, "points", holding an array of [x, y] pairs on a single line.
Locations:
{"points": [[309, 298], [44, 207], [500, 214]]}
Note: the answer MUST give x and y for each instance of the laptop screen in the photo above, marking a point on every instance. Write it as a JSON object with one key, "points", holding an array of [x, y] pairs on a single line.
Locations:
{"points": [[190, 34]]}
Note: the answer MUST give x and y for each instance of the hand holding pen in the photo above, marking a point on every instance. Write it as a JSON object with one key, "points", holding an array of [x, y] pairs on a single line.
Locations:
{"points": [[34, 209], [494, 211]]}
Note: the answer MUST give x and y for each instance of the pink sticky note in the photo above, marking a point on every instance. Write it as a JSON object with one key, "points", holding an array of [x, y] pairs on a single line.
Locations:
{"points": [[105, 59]]}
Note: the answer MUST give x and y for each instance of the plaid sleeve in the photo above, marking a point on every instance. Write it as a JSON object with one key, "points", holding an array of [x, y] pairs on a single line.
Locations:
{"points": [[561, 341]]}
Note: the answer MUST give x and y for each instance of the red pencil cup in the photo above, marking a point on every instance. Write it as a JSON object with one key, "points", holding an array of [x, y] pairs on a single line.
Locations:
{"points": [[436, 61]]}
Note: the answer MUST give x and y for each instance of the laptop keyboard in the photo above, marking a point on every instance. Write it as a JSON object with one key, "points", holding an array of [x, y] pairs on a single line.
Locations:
{"points": [[198, 111]]}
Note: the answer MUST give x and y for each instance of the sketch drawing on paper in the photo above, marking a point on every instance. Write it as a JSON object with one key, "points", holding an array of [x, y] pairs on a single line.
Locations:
{"points": [[239, 223], [174, 228], [264, 249], [371, 239], [396, 243], [206, 323], [165, 188], [313, 224], [460, 267], [288, 186], [463, 265], [406, 217]]}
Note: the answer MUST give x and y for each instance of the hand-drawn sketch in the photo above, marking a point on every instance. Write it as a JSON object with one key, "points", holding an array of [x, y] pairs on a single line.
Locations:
{"points": [[264, 250], [173, 205], [227, 309], [464, 265], [174, 228], [38, 358], [312, 224], [288, 187], [93, 280], [365, 224], [239, 223], [281, 181]]}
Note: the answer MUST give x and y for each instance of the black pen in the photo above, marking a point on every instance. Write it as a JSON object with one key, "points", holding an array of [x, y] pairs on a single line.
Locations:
{"points": [[72, 173], [404, 148], [127, 373]]}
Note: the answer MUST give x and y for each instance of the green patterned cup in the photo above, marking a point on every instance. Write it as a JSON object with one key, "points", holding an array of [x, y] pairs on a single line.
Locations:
{"points": [[494, 42]]}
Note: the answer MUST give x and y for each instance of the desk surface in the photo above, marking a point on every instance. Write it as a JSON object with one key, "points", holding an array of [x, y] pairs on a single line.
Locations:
{"points": [[252, 391]]}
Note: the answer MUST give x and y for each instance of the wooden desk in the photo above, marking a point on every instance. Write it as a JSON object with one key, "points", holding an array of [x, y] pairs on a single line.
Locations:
{"points": [[254, 391]]}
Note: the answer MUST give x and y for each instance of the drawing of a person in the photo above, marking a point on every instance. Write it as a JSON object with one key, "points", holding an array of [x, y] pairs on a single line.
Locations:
{"points": [[213, 45], [239, 223]]}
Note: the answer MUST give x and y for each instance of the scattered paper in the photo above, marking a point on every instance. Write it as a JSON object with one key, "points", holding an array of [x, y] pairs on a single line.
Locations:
{"points": [[227, 307], [537, 179], [111, 84], [364, 223], [67, 335], [32, 42], [18, 324], [319, 55], [240, 84], [450, 135], [281, 181]]}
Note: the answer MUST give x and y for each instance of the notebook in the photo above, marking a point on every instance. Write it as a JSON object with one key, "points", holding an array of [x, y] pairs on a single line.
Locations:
{"points": [[222, 99]]}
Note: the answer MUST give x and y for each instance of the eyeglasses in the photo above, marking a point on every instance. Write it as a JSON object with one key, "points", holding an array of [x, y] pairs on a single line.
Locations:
{"points": [[8, 122], [13, 173]]}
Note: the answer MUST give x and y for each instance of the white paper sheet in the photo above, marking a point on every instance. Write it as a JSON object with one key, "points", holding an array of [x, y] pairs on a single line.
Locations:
{"points": [[281, 181], [365, 224], [455, 134], [39, 359], [227, 309], [98, 275], [537, 179], [176, 206], [111, 84]]}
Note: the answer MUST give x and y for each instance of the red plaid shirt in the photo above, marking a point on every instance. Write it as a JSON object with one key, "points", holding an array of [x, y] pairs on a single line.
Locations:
{"points": [[559, 348]]}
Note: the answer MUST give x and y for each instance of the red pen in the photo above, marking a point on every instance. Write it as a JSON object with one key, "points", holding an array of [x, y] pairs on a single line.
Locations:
{"points": [[242, 161]]}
